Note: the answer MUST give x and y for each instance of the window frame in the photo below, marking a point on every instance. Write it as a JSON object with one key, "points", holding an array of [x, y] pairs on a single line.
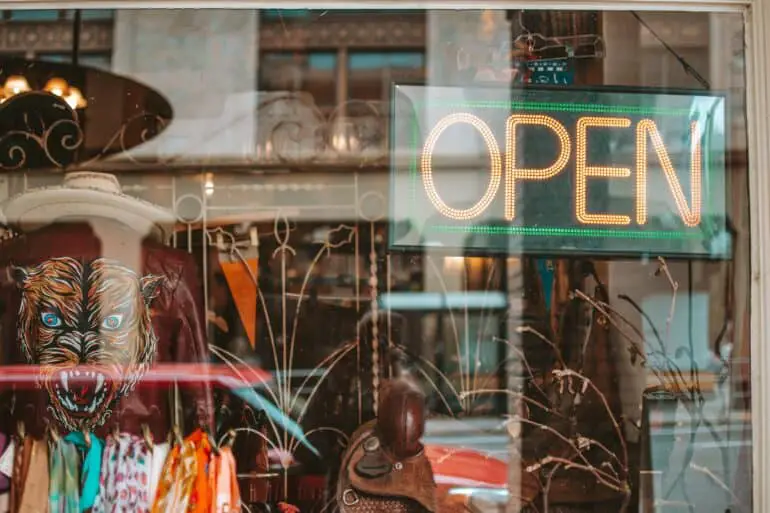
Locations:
{"points": [[756, 15]]}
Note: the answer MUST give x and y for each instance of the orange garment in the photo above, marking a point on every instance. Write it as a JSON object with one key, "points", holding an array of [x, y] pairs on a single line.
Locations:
{"points": [[226, 495], [184, 483], [201, 495]]}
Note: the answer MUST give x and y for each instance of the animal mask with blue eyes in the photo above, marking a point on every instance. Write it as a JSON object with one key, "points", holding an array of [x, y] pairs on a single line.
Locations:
{"points": [[88, 326]]}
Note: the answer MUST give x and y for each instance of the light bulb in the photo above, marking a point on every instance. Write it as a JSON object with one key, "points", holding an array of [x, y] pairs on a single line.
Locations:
{"points": [[208, 185], [75, 99], [57, 86], [15, 84]]}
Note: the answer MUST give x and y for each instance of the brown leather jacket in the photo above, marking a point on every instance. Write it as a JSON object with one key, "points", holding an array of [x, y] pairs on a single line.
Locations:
{"points": [[110, 304]]}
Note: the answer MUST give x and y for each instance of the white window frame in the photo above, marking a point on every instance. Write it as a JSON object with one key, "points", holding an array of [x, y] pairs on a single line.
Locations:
{"points": [[756, 15]]}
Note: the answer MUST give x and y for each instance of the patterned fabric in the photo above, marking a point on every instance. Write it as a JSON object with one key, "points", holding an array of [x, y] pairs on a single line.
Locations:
{"points": [[222, 473], [159, 455], [202, 492], [91, 450], [64, 488], [125, 477], [184, 484], [5, 483]]}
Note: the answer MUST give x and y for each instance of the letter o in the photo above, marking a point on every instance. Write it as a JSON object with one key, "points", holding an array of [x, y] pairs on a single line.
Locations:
{"points": [[496, 166]]}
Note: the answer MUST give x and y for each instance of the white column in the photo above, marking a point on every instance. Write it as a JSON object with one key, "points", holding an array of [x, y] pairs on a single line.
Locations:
{"points": [[205, 63], [758, 95]]}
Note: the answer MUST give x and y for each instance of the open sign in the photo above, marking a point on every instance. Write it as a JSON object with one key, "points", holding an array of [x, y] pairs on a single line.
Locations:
{"points": [[559, 171]]}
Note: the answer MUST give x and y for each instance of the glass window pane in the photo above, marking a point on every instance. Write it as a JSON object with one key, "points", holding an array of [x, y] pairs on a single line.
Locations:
{"points": [[445, 260], [92, 14], [35, 15]]}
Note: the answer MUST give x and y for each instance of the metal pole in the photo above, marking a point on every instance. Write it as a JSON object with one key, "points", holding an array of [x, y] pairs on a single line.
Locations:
{"points": [[76, 37]]}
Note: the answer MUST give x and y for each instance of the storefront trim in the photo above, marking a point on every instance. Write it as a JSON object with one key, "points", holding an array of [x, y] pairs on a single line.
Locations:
{"points": [[607, 5], [758, 112], [757, 17]]}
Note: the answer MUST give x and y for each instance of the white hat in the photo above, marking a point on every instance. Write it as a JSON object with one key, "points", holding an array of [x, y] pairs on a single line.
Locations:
{"points": [[86, 195]]}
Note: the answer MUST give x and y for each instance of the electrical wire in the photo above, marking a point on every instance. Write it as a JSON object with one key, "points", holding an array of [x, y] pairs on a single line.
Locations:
{"points": [[685, 65]]}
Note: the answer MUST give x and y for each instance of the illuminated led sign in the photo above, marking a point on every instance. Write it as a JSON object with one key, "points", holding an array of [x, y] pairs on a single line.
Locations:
{"points": [[559, 172]]}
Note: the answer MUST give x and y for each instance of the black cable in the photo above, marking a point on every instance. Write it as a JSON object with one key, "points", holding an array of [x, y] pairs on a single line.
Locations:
{"points": [[686, 65]]}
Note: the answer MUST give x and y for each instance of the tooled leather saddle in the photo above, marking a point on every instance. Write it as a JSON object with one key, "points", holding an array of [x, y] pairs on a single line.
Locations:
{"points": [[384, 468]]}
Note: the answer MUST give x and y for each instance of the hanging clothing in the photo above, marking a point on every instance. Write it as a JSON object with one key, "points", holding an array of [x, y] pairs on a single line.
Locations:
{"points": [[177, 322], [158, 459], [202, 492], [64, 487], [224, 479], [29, 483], [5, 483], [125, 476], [91, 450], [20, 470], [178, 478]]}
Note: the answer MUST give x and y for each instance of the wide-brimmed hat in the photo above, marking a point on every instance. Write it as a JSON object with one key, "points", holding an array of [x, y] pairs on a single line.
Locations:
{"points": [[83, 196]]}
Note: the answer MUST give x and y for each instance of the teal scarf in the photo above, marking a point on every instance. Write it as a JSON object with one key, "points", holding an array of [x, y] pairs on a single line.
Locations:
{"points": [[63, 492], [92, 467]]}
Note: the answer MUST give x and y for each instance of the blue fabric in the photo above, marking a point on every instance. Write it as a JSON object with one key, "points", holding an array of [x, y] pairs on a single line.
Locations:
{"points": [[92, 466], [546, 276]]}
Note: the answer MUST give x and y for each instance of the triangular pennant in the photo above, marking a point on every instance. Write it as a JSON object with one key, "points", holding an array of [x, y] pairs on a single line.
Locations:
{"points": [[244, 290]]}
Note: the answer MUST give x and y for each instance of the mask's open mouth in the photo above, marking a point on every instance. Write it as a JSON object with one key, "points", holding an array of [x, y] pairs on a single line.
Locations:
{"points": [[81, 391]]}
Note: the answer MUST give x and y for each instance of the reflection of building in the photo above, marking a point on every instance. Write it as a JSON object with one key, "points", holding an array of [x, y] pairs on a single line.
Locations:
{"points": [[263, 104], [47, 35]]}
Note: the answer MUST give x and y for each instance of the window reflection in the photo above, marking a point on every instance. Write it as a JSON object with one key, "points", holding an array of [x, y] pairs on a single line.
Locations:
{"points": [[572, 381]]}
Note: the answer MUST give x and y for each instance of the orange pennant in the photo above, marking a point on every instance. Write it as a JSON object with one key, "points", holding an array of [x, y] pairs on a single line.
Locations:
{"points": [[244, 290]]}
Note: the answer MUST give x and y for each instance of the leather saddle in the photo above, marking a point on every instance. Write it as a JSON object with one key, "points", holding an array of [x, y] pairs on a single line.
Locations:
{"points": [[384, 468]]}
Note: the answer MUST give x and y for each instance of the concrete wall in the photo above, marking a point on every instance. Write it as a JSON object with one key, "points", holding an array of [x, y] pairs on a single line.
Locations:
{"points": [[205, 63]]}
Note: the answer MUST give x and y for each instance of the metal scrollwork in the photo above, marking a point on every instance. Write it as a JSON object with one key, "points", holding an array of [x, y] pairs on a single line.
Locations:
{"points": [[135, 131], [292, 129], [38, 130]]}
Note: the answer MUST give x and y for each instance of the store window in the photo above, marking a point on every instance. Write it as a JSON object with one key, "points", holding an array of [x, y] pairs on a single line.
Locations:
{"points": [[388, 261], [372, 73], [314, 73], [57, 14], [95, 60]]}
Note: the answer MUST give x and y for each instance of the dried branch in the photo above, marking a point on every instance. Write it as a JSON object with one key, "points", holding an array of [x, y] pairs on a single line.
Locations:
{"points": [[708, 473], [579, 451], [569, 465], [533, 331], [587, 382], [610, 313], [523, 360], [663, 266], [516, 395]]}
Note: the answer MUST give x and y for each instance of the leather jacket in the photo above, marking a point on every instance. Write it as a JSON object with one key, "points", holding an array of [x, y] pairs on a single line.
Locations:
{"points": [[66, 257]]}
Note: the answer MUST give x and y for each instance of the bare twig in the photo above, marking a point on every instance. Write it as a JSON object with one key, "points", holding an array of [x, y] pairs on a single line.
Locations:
{"points": [[578, 452], [608, 312], [663, 267], [568, 372], [568, 465], [516, 395], [671, 364], [646, 317], [533, 331], [547, 488], [708, 473], [524, 360], [589, 332]]}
